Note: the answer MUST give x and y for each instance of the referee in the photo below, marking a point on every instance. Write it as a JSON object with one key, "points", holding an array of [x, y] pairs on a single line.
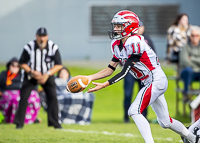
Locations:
{"points": [[41, 60]]}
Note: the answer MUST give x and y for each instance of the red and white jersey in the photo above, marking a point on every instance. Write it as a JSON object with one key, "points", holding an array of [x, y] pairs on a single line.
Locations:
{"points": [[136, 45]]}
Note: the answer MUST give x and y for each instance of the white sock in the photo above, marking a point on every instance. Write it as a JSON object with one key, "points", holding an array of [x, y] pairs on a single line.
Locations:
{"points": [[144, 127], [179, 128]]}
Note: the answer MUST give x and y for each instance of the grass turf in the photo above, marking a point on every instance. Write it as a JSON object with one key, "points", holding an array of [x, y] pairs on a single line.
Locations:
{"points": [[107, 119]]}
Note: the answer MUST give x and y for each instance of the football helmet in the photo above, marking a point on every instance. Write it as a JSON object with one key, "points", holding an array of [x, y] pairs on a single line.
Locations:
{"points": [[129, 20]]}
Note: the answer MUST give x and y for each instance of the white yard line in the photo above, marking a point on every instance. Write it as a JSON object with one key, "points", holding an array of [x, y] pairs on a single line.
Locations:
{"points": [[112, 134]]}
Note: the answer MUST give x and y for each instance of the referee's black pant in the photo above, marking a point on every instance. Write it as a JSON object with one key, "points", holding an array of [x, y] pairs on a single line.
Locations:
{"points": [[52, 101]]}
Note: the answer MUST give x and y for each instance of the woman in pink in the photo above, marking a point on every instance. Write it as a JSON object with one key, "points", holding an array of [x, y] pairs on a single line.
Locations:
{"points": [[10, 83]]}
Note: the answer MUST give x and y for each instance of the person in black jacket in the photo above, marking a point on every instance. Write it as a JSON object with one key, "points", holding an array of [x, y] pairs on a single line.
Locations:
{"points": [[10, 79], [10, 85]]}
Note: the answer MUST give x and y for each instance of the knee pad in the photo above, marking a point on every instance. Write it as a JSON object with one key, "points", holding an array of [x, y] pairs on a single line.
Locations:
{"points": [[164, 124]]}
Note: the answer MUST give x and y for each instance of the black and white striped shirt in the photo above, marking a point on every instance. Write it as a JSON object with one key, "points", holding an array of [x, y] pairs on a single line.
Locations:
{"points": [[40, 60]]}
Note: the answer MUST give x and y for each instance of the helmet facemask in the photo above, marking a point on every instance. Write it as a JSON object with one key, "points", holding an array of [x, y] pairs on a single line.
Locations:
{"points": [[116, 34], [126, 30]]}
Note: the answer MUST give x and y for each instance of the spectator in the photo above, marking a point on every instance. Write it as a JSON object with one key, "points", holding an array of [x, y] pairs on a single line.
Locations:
{"points": [[129, 80], [74, 108], [10, 84], [64, 74], [141, 31], [41, 60], [190, 60], [177, 37]]}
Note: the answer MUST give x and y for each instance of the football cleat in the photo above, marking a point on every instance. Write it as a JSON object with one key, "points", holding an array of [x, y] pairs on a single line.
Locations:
{"points": [[184, 140], [195, 133]]}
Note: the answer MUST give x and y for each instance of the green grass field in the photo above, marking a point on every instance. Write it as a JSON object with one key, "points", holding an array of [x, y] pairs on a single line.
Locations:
{"points": [[107, 119]]}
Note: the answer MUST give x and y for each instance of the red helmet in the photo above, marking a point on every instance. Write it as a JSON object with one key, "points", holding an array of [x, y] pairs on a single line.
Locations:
{"points": [[129, 20]]}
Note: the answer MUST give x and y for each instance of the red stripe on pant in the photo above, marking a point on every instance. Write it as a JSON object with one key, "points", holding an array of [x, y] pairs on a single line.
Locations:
{"points": [[170, 119], [146, 98]]}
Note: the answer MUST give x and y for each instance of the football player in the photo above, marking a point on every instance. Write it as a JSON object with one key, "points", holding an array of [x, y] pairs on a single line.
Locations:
{"points": [[137, 56], [196, 125], [194, 128]]}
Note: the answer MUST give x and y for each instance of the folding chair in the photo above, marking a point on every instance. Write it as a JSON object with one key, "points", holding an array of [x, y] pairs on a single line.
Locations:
{"points": [[191, 92], [179, 97]]}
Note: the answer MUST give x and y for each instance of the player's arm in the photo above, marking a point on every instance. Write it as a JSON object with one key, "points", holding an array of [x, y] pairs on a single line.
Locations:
{"points": [[127, 67], [105, 72]]}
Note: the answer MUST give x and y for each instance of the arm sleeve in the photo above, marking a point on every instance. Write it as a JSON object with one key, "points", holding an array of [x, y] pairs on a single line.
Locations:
{"points": [[135, 58], [122, 74], [114, 59], [25, 57], [57, 58]]}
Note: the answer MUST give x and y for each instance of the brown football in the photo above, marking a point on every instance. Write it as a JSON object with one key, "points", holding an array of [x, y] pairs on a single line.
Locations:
{"points": [[77, 84]]}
